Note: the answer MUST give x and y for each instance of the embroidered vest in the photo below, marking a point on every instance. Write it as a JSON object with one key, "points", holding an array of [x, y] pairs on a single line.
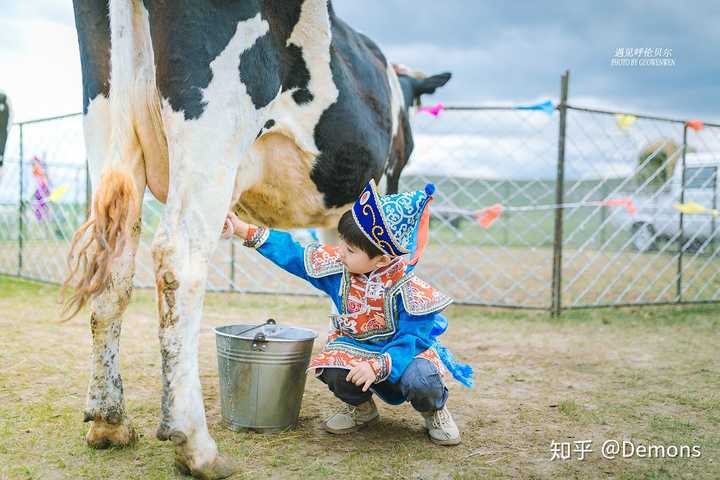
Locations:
{"points": [[368, 303]]}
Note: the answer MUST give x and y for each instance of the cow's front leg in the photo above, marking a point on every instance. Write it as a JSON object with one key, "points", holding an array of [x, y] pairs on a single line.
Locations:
{"points": [[198, 201], [181, 256]]}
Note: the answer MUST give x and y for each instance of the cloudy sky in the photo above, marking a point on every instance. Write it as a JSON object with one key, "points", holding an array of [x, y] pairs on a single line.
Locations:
{"points": [[499, 52], [506, 52]]}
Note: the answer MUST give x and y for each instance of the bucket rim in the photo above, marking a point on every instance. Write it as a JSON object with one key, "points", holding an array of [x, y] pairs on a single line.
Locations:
{"points": [[239, 337]]}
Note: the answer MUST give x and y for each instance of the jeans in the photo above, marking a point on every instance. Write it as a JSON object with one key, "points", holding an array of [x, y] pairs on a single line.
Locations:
{"points": [[420, 385]]}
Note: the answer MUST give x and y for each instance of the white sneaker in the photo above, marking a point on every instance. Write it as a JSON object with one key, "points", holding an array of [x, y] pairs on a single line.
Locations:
{"points": [[350, 418], [441, 427]]}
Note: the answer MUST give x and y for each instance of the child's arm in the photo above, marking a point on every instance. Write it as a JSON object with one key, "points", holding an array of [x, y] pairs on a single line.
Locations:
{"points": [[281, 249]]}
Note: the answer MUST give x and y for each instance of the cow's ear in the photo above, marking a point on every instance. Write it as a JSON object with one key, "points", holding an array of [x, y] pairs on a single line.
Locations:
{"points": [[430, 84]]}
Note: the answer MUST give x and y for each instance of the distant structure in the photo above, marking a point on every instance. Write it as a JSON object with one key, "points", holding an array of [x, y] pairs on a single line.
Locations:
{"points": [[5, 116]]}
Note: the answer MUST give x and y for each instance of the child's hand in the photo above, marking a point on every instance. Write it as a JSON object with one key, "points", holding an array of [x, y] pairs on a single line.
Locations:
{"points": [[228, 229], [361, 374], [233, 225]]}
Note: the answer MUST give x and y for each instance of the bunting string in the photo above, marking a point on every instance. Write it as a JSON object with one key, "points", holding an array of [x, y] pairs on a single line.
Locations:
{"points": [[485, 217]]}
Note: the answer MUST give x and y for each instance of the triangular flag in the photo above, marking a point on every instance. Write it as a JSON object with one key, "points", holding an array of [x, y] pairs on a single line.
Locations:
{"points": [[487, 216], [621, 202], [433, 110], [37, 170], [58, 193], [546, 106], [691, 208], [625, 120], [696, 125]]}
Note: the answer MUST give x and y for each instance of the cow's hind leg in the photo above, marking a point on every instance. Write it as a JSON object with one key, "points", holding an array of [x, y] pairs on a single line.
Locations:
{"points": [[105, 406], [105, 403]]}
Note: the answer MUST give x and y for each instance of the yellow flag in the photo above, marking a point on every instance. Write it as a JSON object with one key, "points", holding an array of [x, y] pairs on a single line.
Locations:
{"points": [[692, 208], [58, 193], [625, 120]]}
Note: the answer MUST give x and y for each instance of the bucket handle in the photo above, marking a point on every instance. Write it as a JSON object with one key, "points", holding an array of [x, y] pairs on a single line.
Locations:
{"points": [[269, 321]]}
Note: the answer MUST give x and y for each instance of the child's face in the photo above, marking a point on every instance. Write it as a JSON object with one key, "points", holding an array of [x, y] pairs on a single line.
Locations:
{"points": [[357, 261]]}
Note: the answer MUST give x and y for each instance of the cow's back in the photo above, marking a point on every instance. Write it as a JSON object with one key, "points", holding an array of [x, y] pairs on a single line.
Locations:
{"points": [[354, 134]]}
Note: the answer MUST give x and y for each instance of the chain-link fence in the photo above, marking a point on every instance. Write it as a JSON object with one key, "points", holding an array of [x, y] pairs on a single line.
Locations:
{"points": [[538, 207]]}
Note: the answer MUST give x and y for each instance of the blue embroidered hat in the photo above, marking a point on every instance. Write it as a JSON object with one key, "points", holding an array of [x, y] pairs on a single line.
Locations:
{"points": [[397, 224]]}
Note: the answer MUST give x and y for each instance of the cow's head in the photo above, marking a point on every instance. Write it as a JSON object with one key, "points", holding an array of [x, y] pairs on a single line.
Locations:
{"points": [[414, 83]]}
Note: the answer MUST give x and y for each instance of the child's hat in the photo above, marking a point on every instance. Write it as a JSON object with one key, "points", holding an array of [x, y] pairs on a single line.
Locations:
{"points": [[397, 224]]}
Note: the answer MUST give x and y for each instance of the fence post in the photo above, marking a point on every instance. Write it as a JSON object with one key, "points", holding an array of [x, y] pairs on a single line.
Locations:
{"points": [[88, 191], [232, 264], [21, 207], [506, 223], [713, 226], [678, 292], [603, 214], [556, 303]]}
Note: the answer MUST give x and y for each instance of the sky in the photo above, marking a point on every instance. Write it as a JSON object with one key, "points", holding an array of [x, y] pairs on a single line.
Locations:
{"points": [[499, 52]]}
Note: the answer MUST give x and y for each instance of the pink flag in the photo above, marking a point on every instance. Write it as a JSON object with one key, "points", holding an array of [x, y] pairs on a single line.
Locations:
{"points": [[38, 204], [621, 202], [487, 216], [433, 110]]}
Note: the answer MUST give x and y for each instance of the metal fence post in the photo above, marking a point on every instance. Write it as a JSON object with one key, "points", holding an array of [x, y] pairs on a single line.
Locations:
{"points": [[506, 223], [88, 190], [603, 212], [713, 226], [556, 303], [232, 264], [21, 205], [678, 292]]}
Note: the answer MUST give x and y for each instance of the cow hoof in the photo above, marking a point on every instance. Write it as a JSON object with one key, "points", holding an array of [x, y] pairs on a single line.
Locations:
{"points": [[221, 467], [164, 433], [104, 435]]}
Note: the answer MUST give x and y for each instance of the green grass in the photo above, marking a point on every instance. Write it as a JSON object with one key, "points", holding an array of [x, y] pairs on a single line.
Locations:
{"points": [[649, 375]]}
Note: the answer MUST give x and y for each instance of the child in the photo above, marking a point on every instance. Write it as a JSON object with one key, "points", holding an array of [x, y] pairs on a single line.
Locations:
{"points": [[384, 339]]}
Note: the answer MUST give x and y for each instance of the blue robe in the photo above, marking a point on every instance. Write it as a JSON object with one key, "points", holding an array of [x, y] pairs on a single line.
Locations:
{"points": [[388, 317]]}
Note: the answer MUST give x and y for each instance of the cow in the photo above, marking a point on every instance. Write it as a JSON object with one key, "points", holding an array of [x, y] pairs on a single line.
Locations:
{"points": [[5, 123], [276, 109]]}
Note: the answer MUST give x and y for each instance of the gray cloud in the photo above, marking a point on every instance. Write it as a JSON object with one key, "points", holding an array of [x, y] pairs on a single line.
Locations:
{"points": [[505, 52], [510, 52]]}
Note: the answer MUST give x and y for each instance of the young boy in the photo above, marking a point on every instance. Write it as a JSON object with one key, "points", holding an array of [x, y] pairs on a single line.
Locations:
{"points": [[384, 339]]}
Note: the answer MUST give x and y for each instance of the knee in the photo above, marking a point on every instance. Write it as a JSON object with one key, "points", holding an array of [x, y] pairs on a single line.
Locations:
{"points": [[173, 270], [334, 378], [422, 379]]}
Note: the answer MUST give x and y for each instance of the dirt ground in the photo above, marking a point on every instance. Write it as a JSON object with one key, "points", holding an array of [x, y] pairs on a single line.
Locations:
{"points": [[647, 376]]}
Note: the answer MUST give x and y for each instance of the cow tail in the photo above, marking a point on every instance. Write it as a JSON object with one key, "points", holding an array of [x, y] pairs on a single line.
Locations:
{"points": [[101, 239]]}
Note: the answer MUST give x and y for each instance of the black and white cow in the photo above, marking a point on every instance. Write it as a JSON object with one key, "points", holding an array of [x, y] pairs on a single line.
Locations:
{"points": [[5, 121], [275, 108]]}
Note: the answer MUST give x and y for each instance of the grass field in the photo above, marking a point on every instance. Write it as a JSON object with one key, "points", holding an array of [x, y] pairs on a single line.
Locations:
{"points": [[648, 375], [487, 274]]}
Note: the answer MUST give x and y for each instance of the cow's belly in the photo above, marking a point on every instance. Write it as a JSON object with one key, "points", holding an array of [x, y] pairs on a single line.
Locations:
{"points": [[283, 195]]}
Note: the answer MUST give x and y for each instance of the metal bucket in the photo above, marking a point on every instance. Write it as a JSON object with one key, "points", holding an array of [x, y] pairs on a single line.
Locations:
{"points": [[262, 374]]}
